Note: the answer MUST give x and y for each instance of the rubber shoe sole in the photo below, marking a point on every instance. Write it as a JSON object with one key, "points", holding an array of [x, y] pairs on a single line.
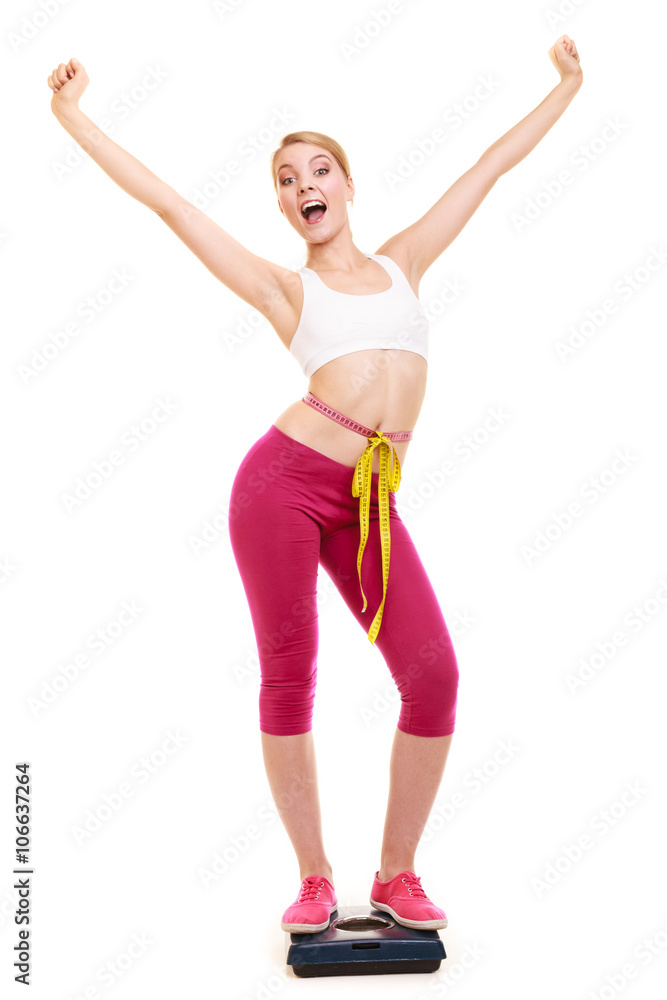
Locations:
{"points": [[309, 928], [419, 925]]}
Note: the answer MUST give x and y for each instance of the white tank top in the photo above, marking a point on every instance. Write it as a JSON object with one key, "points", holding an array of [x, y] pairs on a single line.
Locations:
{"points": [[336, 323]]}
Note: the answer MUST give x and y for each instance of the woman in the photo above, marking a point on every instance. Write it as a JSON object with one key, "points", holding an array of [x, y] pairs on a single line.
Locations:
{"points": [[307, 493]]}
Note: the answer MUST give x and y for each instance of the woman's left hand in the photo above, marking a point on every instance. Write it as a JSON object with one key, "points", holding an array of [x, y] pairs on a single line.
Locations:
{"points": [[565, 58]]}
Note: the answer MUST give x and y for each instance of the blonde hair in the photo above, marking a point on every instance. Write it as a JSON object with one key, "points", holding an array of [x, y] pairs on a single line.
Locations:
{"points": [[317, 139]]}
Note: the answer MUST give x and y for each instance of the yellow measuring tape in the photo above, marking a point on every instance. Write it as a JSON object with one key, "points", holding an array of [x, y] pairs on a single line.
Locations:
{"points": [[361, 487]]}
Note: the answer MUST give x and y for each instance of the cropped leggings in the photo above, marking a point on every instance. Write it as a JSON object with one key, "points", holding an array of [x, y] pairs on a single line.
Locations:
{"points": [[291, 509]]}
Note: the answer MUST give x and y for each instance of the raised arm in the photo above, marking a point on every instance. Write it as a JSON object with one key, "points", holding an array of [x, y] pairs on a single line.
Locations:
{"points": [[252, 278], [418, 246]]}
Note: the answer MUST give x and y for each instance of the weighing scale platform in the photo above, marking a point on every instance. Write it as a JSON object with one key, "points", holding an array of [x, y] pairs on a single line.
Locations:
{"points": [[361, 940]]}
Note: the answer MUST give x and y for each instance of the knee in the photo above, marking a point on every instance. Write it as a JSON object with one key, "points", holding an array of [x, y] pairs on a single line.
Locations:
{"points": [[429, 692], [286, 700]]}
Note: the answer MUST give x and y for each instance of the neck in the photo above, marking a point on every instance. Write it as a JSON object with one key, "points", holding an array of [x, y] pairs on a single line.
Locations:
{"points": [[337, 254]]}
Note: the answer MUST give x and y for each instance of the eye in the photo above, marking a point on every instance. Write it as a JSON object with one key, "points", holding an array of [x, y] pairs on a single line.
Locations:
{"points": [[290, 178]]}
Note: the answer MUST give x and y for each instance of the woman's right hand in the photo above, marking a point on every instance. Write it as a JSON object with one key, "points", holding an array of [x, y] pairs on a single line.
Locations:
{"points": [[565, 58], [68, 83]]}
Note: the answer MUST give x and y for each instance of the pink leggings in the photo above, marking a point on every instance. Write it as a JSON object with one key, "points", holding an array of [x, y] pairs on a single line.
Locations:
{"points": [[291, 508]]}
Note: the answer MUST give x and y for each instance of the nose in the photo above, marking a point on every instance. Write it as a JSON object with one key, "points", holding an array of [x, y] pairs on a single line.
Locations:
{"points": [[304, 186]]}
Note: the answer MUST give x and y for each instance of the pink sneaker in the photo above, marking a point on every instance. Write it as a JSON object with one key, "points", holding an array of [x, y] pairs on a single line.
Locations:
{"points": [[312, 909], [403, 897]]}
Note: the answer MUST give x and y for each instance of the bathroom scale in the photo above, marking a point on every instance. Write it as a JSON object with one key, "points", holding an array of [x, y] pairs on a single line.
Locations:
{"points": [[361, 940]]}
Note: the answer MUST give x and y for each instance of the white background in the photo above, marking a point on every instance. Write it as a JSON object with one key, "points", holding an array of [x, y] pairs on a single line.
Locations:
{"points": [[186, 664]]}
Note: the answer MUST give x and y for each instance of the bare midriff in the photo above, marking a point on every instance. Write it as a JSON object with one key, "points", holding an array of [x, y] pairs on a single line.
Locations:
{"points": [[382, 389]]}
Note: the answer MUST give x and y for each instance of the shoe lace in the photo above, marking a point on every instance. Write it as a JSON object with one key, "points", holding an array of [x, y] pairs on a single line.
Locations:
{"points": [[310, 889], [413, 883]]}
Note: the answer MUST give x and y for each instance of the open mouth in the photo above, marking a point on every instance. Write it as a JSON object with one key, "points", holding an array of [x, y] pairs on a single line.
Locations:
{"points": [[313, 210]]}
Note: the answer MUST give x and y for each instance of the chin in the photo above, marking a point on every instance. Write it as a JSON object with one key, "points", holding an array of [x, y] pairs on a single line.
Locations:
{"points": [[318, 233]]}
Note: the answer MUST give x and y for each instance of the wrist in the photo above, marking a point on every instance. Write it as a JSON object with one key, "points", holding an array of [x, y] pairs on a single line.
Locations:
{"points": [[65, 112], [572, 82]]}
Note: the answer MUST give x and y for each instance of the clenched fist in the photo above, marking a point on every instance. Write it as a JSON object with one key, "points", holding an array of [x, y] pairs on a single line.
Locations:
{"points": [[68, 83], [565, 58]]}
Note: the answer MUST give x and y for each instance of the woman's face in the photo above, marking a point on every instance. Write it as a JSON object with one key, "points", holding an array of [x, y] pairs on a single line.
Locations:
{"points": [[306, 173]]}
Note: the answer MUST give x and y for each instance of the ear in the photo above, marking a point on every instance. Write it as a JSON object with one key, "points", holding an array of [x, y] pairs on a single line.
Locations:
{"points": [[280, 206], [350, 188]]}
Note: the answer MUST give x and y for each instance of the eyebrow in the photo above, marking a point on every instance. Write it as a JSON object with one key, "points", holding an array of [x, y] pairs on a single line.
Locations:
{"points": [[316, 157]]}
